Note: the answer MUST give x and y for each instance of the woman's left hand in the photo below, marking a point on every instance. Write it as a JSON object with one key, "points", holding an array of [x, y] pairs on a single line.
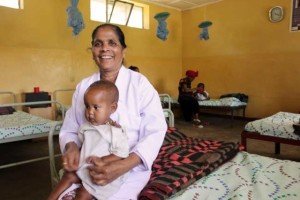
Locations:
{"points": [[102, 172]]}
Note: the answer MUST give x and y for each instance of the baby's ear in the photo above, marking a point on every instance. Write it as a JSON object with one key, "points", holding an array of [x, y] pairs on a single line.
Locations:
{"points": [[113, 107]]}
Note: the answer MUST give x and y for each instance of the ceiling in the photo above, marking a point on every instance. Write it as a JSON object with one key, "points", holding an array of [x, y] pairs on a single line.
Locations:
{"points": [[182, 4]]}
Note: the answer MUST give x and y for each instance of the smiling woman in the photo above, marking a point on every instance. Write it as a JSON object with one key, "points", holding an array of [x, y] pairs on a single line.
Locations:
{"points": [[139, 112]]}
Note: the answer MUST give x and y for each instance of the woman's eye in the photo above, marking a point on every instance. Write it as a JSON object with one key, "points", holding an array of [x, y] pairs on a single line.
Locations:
{"points": [[97, 44], [112, 43]]}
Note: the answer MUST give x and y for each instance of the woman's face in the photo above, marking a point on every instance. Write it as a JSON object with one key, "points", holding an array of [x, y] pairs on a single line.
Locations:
{"points": [[108, 52]]}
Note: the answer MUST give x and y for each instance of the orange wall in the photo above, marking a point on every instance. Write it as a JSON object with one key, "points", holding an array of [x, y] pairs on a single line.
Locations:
{"points": [[37, 48], [245, 53]]}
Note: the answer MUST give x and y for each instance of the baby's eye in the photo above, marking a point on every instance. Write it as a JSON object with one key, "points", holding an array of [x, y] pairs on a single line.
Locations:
{"points": [[96, 107]]}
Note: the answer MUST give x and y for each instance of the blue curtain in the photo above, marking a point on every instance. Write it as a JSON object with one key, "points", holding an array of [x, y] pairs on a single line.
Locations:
{"points": [[162, 31], [204, 25], [75, 19]]}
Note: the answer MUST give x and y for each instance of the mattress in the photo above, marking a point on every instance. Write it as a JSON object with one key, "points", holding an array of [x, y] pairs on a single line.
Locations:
{"points": [[277, 125], [23, 124], [247, 176], [223, 102]]}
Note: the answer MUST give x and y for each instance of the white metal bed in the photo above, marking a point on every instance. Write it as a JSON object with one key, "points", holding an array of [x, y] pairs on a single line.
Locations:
{"points": [[166, 104], [20, 126], [57, 94]]}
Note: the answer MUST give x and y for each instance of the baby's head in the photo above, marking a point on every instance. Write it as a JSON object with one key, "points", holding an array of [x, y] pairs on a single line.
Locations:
{"points": [[200, 87], [101, 100]]}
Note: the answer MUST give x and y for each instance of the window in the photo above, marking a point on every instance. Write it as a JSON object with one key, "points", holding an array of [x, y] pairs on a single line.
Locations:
{"points": [[123, 12], [16, 4]]}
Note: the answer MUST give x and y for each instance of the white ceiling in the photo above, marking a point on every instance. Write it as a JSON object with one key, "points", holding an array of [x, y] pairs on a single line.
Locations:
{"points": [[182, 4]]}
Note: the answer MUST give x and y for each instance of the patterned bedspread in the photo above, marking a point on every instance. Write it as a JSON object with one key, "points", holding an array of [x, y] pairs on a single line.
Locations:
{"points": [[21, 123], [278, 125], [248, 176], [183, 160], [227, 102]]}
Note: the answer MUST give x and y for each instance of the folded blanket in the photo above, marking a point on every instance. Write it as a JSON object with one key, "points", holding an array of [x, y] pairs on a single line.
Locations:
{"points": [[6, 110], [182, 160]]}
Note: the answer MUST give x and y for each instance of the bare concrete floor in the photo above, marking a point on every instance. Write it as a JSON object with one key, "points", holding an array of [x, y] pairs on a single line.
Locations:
{"points": [[32, 181]]}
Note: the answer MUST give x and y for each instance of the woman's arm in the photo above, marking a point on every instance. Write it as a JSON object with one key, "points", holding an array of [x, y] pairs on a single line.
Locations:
{"points": [[103, 172], [186, 89], [70, 159]]}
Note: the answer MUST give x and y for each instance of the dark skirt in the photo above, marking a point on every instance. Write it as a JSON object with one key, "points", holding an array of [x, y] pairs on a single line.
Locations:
{"points": [[189, 106]]}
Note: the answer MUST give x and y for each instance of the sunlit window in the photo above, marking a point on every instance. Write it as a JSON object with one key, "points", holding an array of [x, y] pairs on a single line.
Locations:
{"points": [[123, 12], [16, 4]]}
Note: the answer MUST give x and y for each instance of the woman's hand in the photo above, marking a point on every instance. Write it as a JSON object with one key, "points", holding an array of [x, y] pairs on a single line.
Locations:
{"points": [[104, 171], [70, 160]]}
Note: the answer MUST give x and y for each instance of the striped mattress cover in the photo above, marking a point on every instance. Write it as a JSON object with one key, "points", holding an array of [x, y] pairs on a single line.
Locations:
{"points": [[278, 125], [21, 124], [247, 176], [225, 102]]}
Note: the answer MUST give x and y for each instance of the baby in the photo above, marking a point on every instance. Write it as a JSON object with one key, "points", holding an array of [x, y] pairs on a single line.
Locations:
{"points": [[201, 94], [100, 136]]}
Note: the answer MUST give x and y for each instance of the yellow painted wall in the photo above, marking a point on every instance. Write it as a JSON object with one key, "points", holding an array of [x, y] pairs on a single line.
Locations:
{"points": [[245, 53], [37, 48]]}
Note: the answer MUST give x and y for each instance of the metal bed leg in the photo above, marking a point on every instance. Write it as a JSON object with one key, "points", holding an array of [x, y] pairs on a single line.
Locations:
{"points": [[231, 125], [244, 141], [53, 171], [277, 148]]}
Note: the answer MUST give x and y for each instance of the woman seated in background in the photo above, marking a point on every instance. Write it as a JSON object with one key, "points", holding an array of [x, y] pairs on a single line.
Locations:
{"points": [[201, 94], [188, 103]]}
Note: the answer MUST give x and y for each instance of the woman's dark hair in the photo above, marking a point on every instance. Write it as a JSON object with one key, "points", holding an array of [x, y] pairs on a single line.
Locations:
{"points": [[117, 30]]}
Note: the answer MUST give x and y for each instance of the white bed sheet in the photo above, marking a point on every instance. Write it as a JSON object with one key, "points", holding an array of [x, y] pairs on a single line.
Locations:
{"points": [[21, 124], [248, 176], [278, 125], [228, 102]]}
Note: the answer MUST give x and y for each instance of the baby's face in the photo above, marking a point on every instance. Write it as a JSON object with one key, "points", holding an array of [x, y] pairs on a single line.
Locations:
{"points": [[97, 107], [200, 89]]}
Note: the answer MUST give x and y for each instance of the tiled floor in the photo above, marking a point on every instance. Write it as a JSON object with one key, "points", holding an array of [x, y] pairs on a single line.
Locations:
{"points": [[32, 181]]}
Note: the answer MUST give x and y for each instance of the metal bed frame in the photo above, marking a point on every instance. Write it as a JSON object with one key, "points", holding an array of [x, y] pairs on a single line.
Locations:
{"points": [[225, 109], [277, 140], [167, 109], [58, 110], [52, 130]]}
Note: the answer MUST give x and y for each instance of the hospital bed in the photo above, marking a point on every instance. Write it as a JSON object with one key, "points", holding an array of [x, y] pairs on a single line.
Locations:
{"points": [[194, 168], [19, 125], [277, 128], [166, 104], [224, 105], [58, 96]]}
